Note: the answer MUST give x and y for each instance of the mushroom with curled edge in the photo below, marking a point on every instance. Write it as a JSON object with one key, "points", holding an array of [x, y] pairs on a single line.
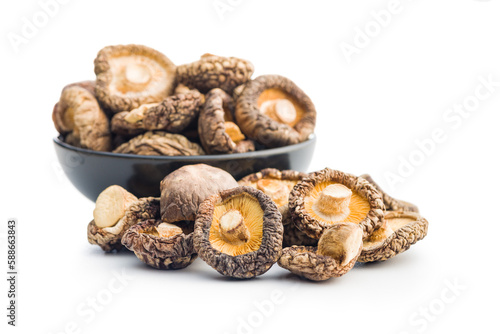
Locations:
{"points": [[128, 76], [391, 204]]}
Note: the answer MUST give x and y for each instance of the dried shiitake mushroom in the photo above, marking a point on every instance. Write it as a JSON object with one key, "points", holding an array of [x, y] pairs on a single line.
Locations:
{"points": [[79, 117], [337, 252], [173, 114], [131, 75], [115, 211], [160, 245], [160, 143], [238, 232], [399, 231], [391, 204], [329, 196], [218, 132], [272, 110], [212, 71], [184, 189]]}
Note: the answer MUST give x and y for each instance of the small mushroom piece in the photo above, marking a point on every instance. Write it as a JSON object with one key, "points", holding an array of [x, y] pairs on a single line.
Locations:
{"points": [[79, 117], [391, 204], [238, 232], [109, 206], [338, 250], [131, 75], [400, 230], [272, 110], [328, 197], [213, 71], [160, 245], [160, 143], [129, 123], [183, 190], [218, 133]]}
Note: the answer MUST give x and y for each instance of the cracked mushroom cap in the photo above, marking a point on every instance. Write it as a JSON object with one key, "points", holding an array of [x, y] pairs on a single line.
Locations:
{"points": [[217, 130], [160, 143], [183, 190], [161, 245], [238, 232], [399, 231], [79, 117], [328, 197], [213, 71], [337, 252], [391, 204], [116, 210], [272, 110], [131, 75]]}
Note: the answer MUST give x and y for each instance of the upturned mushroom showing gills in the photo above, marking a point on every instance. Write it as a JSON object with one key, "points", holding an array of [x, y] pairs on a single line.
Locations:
{"points": [[338, 250], [238, 232], [328, 197], [272, 110], [131, 75], [399, 231]]}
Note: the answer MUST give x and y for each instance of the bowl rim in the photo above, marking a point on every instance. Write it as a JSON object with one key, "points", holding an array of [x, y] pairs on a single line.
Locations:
{"points": [[232, 156]]}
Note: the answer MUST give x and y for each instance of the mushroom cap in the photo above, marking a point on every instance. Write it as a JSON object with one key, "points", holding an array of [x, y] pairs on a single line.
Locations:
{"points": [[263, 222], [262, 128], [305, 261], [109, 238], [79, 116], [175, 252], [391, 204], [213, 71], [160, 143], [130, 75], [366, 205], [213, 125], [408, 228], [292, 236], [184, 189]]}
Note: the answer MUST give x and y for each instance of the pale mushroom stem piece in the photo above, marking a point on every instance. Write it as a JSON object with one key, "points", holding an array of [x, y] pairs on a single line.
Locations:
{"points": [[233, 228], [333, 202]]}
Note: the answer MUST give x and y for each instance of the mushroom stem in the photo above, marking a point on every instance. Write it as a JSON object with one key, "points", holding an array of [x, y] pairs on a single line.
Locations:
{"points": [[233, 228], [382, 233], [275, 189], [137, 74], [342, 242], [334, 201], [167, 230], [234, 132], [281, 110]]}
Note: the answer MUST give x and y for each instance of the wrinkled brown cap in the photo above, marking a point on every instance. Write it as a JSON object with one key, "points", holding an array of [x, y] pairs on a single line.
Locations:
{"points": [[260, 219], [277, 93], [130, 75], [184, 189], [365, 206], [212, 71], [109, 238], [172, 252], [404, 229], [160, 143], [391, 204], [79, 117]]}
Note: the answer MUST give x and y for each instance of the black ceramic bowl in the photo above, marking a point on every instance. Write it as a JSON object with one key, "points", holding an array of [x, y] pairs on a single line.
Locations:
{"points": [[91, 172]]}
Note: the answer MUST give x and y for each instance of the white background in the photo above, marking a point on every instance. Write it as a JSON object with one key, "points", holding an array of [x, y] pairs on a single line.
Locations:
{"points": [[372, 110]]}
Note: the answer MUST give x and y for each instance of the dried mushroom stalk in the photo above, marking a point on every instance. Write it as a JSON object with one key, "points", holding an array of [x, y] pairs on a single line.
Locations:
{"points": [[329, 196], [238, 232], [337, 252], [184, 189], [391, 204], [160, 245], [400, 231], [129, 123], [272, 110], [109, 238], [218, 133], [131, 75], [212, 71], [160, 143], [79, 117]]}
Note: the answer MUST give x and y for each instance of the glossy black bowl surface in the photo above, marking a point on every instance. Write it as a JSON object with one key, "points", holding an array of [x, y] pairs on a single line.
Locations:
{"points": [[92, 171]]}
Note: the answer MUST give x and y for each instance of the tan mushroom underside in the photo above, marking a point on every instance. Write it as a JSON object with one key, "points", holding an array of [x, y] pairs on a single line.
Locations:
{"points": [[275, 95]]}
